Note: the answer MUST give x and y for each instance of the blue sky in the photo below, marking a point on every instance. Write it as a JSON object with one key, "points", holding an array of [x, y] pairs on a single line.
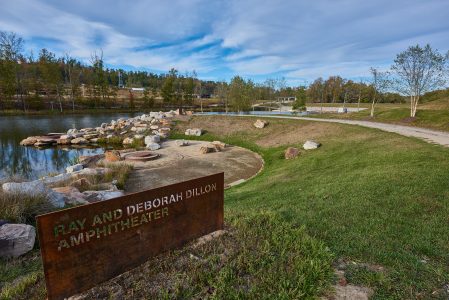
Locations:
{"points": [[299, 40]]}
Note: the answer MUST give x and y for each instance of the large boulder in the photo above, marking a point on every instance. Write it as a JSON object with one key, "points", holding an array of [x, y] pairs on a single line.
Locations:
{"points": [[260, 123], [16, 239], [194, 131], [34, 188], [151, 139], [153, 146], [29, 141], [82, 183], [112, 156], [291, 153], [310, 145], [72, 195]]}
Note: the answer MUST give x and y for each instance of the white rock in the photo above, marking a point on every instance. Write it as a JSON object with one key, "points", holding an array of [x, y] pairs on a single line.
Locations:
{"points": [[16, 239], [138, 136], [56, 180], [194, 131], [260, 124], [153, 146], [182, 143], [128, 141], [309, 145], [152, 139], [74, 168]]}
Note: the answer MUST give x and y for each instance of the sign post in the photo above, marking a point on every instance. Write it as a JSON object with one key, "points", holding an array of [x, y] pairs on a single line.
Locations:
{"points": [[89, 244]]}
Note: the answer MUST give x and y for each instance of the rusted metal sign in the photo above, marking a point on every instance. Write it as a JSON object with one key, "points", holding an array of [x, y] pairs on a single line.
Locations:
{"points": [[89, 244]]}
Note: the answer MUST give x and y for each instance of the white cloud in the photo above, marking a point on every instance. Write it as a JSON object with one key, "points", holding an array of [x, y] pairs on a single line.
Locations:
{"points": [[300, 39]]}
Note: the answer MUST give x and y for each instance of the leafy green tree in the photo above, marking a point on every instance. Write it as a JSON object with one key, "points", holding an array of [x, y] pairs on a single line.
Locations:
{"points": [[168, 88], [52, 75], [11, 73], [301, 98], [189, 89], [240, 94]]}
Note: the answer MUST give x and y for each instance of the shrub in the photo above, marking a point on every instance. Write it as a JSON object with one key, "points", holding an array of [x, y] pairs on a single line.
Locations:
{"points": [[21, 208]]}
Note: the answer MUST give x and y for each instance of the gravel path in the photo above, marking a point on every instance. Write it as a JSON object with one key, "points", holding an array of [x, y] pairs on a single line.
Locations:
{"points": [[428, 135]]}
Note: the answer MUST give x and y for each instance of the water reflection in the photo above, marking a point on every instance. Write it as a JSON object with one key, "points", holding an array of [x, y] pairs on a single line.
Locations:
{"points": [[31, 162]]}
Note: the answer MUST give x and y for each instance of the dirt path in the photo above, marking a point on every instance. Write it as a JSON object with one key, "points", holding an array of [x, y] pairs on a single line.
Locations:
{"points": [[428, 135]]}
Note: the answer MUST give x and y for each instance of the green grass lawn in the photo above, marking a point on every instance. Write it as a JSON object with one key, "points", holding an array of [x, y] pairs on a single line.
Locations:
{"points": [[371, 197], [376, 200], [433, 115]]}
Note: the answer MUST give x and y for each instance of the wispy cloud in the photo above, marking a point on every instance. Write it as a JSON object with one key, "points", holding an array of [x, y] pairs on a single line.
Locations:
{"points": [[300, 40]]}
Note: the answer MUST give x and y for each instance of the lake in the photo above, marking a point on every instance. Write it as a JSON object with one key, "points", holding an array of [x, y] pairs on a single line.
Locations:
{"points": [[31, 162]]}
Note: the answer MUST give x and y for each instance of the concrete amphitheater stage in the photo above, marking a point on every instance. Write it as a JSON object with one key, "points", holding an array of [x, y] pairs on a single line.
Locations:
{"points": [[177, 164]]}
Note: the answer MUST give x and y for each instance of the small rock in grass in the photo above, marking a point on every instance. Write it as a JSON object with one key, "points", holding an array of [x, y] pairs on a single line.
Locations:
{"points": [[260, 124], [310, 145], [194, 131], [291, 153]]}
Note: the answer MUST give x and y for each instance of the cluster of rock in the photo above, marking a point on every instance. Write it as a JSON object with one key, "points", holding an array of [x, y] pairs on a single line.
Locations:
{"points": [[150, 127], [293, 152], [260, 124], [17, 239], [73, 180]]}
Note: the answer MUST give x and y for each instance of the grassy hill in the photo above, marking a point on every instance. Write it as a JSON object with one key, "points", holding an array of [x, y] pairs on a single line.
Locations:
{"points": [[373, 201], [432, 114]]}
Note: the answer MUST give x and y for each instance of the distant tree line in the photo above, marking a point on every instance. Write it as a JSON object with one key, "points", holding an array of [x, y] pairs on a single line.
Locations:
{"points": [[65, 83]]}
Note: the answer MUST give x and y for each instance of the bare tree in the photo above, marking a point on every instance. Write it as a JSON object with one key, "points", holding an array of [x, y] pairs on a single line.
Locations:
{"points": [[11, 46], [380, 83], [72, 72], [419, 70]]}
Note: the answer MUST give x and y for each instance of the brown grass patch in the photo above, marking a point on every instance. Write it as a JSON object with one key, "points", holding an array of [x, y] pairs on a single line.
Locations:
{"points": [[278, 133], [21, 208]]}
